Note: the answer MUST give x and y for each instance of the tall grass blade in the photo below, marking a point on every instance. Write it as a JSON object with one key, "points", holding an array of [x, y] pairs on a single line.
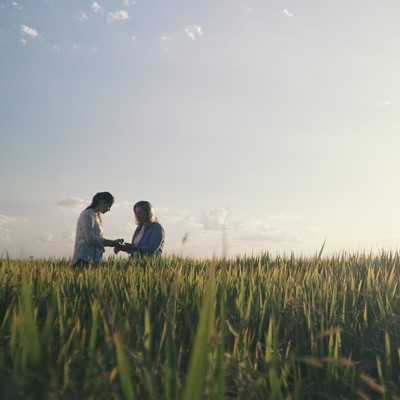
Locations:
{"points": [[123, 370], [198, 365]]}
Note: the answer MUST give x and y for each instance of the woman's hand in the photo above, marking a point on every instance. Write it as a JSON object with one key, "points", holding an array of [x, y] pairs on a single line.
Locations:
{"points": [[118, 245], [127, 247], [112, 243]]}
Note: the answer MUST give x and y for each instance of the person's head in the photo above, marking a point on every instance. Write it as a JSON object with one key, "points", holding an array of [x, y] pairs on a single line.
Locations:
{"points": [[144, 213], [102, 202]]}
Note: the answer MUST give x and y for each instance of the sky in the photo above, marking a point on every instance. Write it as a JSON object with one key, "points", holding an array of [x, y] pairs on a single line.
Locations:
{"points": [[252, 126]]}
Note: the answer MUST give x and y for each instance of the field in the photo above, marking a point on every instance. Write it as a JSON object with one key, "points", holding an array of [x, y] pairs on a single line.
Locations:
{"points": [[261, 327]]}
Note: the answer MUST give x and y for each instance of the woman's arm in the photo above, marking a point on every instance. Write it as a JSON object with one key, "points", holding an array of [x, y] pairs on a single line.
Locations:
{"points": [[112, 243], [126, 247], [89, 223]]}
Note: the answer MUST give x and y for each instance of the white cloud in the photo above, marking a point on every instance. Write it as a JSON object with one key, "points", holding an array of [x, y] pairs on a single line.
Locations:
{"points": [[274, 234], [49, 238], [193, 31], [30, 32], [171, 217], [6, 219], [82, 16], [7, 227], [97, 8], [65, 237], [120, 15], [17, 6], [384, 102], [73, 203], [214, 219], [5, 235], [193, 223], [262, 231], [284, 217], [287, 13], [165, 39], [128, 2]]}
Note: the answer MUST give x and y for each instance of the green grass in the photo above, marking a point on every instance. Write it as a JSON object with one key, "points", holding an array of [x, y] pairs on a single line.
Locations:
{"points": [[262, 327]]}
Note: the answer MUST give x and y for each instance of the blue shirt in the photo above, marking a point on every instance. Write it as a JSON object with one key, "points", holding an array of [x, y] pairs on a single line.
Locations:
{"points": [[152, 241]]}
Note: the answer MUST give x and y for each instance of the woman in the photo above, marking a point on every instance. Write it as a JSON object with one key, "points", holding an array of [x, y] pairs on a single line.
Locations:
{"points": [[89, 241], [148, 238]]}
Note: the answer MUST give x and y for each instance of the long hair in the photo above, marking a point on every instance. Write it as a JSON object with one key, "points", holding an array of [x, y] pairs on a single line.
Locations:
{"points": [[107, 197], [148, 208]]}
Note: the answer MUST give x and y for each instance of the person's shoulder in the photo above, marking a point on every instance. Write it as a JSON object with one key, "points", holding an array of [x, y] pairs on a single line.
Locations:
{"points": [[154, 225], [158, 227], [87, 212]]}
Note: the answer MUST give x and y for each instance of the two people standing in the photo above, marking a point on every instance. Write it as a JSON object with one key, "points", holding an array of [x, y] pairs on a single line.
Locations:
{"points": [[89, 246]]}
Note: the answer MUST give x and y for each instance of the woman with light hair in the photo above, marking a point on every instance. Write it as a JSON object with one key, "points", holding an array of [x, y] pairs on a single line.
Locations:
{"points": [[89, 241], [148, 238]]}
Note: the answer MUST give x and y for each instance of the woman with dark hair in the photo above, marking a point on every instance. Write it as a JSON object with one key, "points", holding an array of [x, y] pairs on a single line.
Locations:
{"points": [[148, 238], [89, 241]]}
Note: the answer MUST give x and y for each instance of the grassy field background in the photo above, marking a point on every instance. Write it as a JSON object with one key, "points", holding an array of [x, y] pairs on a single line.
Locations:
{"points": [[259, 327]]}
